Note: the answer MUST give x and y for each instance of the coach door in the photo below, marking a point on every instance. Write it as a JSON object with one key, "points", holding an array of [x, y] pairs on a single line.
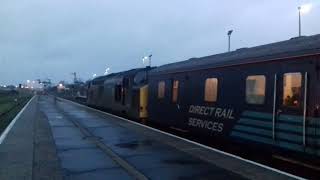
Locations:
{"points": [[290, 110], [125, 88], [178, 107]]}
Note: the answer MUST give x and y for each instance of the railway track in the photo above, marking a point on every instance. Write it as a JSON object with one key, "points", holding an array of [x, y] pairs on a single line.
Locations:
{"points": [[7, 115], [11, 108]]}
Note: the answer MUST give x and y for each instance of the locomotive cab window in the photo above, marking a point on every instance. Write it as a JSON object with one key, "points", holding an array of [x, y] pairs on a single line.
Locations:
{"points": [[175, 90], [255, 89], [211, 90], [292, 89], [161, 89], [118, 91]]}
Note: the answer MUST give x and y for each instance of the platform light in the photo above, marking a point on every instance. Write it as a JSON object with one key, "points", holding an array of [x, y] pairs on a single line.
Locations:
{"points": [[303, 9], [60, 85], [94, 75], [107, 71], [306, 8], [144, 59], [28, 81], [147, 59]]}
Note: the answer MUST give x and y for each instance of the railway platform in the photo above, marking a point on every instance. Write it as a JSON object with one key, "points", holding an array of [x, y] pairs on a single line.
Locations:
{"points": [[59, 139]]}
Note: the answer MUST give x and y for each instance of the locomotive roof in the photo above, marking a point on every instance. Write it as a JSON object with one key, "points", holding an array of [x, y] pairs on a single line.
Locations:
{"points": [[101, 79], [294, 47]]}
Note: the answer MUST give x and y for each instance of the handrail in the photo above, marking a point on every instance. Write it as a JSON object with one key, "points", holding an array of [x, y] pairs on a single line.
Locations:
{"points": [[274, 106], [305, 107]]}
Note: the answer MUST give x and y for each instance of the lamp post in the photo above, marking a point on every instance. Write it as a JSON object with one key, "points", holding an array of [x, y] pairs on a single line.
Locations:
{"points": [[150, 59], [229, 36], [299, 9], [304, 9]]}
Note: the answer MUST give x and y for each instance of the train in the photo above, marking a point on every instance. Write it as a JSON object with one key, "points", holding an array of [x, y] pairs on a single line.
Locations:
{"points": [[124, 92], [266, 96]]}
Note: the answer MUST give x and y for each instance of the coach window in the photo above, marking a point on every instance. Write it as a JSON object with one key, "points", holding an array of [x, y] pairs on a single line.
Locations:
{"points": [[211, 90], [175, 88], [292, 89], [255, 89], [161, 89]]}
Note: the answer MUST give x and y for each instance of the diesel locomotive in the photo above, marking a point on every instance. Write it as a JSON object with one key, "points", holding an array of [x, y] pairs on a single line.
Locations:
{"points": [[267, 95], [124, 92]]}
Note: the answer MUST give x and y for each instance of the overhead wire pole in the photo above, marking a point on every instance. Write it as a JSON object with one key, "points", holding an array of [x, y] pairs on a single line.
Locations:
{"points": [[74, 77]]}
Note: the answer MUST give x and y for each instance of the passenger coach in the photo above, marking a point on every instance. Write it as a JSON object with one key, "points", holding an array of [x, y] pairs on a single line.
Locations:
{"points": [[266, 95]]}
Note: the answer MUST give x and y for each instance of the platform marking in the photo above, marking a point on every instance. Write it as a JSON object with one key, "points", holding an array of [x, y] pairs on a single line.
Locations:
{"points": [[9, 127], [192, 142]]}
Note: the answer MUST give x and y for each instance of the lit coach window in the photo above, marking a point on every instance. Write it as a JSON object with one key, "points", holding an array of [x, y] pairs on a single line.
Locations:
{"points": [[161, 89], [211, 90], [175, 89], [291, 89], [255, 89]]}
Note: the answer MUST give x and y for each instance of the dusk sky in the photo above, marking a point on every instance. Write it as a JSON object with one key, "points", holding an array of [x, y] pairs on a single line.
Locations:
{"points": [[53, 38]]}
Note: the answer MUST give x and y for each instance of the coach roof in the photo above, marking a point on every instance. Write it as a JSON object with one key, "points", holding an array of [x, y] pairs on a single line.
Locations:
{"points": [[298, 46]]}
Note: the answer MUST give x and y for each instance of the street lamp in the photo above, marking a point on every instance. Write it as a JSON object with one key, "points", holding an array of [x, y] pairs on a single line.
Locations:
{"points": [[229, 36], [147, 58], [107, 71], [304, 9], [299, 9]]}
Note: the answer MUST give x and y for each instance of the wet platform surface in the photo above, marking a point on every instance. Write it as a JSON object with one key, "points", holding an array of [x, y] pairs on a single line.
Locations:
{"points": [[79, 143]]}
